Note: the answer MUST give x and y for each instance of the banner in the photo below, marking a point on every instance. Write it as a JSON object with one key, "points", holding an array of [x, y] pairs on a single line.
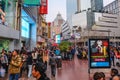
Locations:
{"points": [[32, 2], [43, 7]]}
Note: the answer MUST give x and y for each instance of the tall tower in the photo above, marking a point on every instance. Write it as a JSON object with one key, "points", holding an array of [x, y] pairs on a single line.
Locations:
{"points": [[71, 7], [97, 5]]}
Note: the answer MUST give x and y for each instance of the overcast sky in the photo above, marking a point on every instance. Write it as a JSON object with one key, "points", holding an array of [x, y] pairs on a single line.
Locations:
{"points": [[59, 6]]}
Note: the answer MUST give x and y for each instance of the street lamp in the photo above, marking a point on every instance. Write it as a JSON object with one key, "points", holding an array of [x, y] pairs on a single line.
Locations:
{"points": [[114, 39], [109, 33]]}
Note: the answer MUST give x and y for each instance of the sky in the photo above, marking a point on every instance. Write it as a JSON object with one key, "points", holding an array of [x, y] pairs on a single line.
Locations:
{"points": [[59, 6]]}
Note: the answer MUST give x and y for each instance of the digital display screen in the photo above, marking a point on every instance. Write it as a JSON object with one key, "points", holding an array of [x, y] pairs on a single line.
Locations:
{"points": [[58, 38], [99, 56], [25, 29]]}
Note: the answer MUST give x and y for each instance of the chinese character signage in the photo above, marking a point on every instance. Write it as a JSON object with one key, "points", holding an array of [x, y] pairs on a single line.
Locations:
{"points": [[43, 7], [99, 56], [32, 2]]}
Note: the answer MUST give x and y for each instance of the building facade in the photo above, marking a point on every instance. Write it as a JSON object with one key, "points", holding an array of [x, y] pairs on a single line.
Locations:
{"points": [[103, 25], [66, 31], [9, 32], [19, 28], [113, 7], [28, 27], [74, 7], [56, 26]]}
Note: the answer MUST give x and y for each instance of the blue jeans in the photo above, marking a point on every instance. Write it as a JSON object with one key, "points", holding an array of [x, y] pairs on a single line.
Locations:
{"points": [[14, 76]]}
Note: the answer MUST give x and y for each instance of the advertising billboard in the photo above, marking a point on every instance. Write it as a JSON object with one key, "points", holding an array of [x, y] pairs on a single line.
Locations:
{"points": [[99, 56]]}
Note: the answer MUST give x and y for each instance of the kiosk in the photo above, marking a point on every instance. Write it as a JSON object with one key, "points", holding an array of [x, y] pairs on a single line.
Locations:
{"points": [[99, 56]]}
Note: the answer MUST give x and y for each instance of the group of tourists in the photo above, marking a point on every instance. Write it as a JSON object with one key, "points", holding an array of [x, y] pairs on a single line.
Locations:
{"points": [[18, 62]]}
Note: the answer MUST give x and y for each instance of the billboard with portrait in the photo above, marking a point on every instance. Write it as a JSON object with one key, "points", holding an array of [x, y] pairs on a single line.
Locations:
{"points": [[99, 56]]}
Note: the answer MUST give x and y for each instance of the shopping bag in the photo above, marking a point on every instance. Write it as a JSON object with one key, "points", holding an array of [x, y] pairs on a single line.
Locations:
{"points": [[2, 72]]}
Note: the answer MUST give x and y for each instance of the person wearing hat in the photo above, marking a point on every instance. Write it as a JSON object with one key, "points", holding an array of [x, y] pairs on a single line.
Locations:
{"points": [[38, 71]]}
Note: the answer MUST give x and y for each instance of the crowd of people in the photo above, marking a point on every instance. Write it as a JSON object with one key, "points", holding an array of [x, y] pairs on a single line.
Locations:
{"points": [[114, 75], [35, 62], [18, 61]]}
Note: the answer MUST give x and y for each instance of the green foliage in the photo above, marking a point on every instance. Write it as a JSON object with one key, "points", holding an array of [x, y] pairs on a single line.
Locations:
{"points": [[4, 44], [64, 45]]}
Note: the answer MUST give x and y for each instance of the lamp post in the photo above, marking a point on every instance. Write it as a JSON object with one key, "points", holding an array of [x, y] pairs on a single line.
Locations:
{"points": [[108, 33], [88, 32], [114, 39]]}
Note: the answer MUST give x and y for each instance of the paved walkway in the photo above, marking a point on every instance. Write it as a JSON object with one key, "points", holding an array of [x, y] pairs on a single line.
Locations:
{"points": [[73, 70]]}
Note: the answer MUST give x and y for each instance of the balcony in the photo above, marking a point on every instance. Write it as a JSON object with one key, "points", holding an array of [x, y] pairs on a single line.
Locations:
{"points": [[7, 32]]}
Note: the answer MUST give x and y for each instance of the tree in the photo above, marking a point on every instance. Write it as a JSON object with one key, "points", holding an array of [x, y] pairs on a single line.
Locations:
{"points": [[65, 45]]}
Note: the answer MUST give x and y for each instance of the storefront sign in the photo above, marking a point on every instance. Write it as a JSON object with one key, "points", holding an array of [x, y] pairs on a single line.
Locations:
{"points": [[32, 2], [43, 7]]}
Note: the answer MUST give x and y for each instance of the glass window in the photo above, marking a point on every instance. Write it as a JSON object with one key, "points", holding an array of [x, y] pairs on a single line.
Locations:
{"points": [[113, 6]]}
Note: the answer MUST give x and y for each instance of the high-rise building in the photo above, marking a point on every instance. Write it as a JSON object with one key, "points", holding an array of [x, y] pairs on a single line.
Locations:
{"points": [[113, 7], [73, 6], [97, 5]]}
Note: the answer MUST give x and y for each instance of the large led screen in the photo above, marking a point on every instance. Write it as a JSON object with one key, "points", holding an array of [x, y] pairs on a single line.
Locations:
{"points": [[25, 29], [58, 38], [99, 56]]}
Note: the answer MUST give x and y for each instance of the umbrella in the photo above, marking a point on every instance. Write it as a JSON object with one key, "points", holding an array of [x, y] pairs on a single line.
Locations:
{"points": [[55, 44]]}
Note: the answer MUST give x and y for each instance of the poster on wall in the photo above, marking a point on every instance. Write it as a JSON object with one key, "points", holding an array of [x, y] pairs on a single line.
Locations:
{"points": [[99, 56]]}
